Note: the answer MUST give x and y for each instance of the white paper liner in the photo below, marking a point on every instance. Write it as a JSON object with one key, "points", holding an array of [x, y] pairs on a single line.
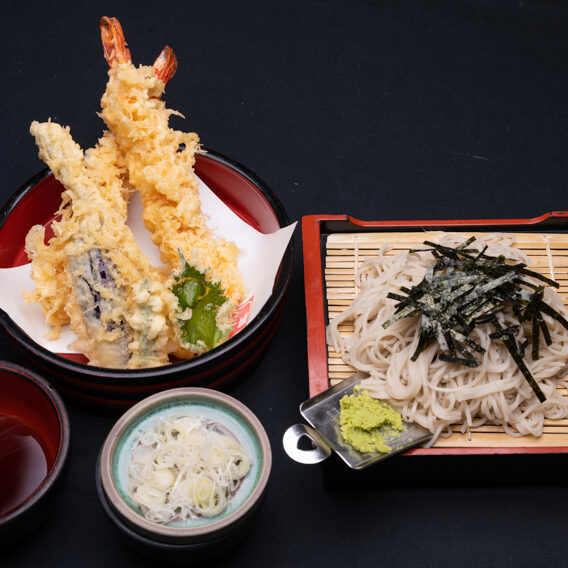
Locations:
{"points": [[259, 259]]}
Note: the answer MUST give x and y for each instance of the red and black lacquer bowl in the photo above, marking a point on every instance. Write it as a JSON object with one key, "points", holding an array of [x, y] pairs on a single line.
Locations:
{"points": [[34, 443], [37, 201]]}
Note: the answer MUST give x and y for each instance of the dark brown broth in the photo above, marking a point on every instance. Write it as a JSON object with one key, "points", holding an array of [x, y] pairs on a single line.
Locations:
{"points": [[23, 463]]}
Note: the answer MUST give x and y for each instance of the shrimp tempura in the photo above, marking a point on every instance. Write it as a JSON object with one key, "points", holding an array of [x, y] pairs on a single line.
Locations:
{"points": [[162, 172]]}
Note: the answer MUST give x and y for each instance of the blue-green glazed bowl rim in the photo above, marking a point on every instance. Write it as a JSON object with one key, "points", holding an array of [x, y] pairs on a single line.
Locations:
{"points": [[217, 406]]}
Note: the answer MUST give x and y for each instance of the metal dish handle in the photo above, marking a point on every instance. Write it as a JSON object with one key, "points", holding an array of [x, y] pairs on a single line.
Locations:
{"points": [[292, 437]]}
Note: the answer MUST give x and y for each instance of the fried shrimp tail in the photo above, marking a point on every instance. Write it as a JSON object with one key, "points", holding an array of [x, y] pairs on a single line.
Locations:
{"points": [[116, 52], [114, 45], [165, 65]]}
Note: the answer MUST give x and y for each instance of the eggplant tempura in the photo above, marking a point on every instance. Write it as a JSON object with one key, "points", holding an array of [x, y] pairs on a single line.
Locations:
{"points": [[91, 274], [92, 267]]}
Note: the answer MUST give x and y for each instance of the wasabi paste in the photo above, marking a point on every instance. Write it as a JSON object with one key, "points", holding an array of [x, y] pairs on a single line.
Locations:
{"points": [[367, 422]]}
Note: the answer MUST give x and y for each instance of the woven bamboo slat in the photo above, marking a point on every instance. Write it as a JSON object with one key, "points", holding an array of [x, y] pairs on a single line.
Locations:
{"points": [[548, 253]]}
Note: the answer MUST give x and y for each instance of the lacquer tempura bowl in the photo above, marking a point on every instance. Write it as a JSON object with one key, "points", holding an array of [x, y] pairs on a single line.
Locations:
{"points": [[37, 201]]}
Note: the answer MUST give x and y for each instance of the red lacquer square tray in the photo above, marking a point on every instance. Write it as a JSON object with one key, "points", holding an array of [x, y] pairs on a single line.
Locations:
{"points": [[334, 246]]}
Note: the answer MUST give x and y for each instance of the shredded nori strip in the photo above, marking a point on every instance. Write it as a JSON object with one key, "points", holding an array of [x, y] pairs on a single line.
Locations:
{"points": [[508, 337], [464, 288]]}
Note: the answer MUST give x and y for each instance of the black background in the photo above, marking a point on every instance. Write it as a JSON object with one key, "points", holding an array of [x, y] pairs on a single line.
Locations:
{"points": [[380, 110]]}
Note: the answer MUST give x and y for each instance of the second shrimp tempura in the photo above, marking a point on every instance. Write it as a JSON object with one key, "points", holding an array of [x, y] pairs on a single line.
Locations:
{"points": [[160, 170]]}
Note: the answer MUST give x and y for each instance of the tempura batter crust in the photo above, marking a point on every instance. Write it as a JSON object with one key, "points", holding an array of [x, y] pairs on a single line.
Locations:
{"points": [[138, 120]]}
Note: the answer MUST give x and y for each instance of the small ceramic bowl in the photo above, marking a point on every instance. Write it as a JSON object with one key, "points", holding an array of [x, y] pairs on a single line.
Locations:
{"points": [[206, 535], [168, 553], [34, 443], [37, 202]]}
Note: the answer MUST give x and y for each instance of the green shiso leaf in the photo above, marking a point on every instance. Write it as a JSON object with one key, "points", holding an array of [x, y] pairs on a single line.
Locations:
{"points": [[464, 288], [203, 297]]}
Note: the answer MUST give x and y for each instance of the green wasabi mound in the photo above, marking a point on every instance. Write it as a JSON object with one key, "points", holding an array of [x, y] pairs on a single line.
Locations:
{"points": [[366, 422]]}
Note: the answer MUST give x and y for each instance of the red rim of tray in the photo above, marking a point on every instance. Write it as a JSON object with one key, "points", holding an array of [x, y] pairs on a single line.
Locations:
{"points": [[316, 228]]}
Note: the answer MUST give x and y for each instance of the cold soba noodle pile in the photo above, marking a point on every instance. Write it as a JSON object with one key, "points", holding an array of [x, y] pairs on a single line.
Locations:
{"points": [[478, 379]]}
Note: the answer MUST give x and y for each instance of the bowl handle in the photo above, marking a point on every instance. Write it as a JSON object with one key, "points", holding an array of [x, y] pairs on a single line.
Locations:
{"points": [[292, 437]]}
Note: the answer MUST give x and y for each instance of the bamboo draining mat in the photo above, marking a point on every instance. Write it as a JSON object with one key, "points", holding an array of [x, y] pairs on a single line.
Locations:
{"points": [[346, 251]]}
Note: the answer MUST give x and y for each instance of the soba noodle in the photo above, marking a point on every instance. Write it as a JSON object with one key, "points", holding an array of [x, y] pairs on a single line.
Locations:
{"points": [[439, 395]]}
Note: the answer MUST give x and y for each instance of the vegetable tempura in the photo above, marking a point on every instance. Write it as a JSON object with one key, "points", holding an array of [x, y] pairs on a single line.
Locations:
{"points": [[91, 273]]}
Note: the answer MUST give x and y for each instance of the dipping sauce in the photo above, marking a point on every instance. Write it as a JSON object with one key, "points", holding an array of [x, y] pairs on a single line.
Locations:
{"points": [[23, 462]]}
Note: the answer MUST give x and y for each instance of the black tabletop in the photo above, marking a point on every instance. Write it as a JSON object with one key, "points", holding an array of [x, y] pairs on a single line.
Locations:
{"points": [[381, 110]]}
